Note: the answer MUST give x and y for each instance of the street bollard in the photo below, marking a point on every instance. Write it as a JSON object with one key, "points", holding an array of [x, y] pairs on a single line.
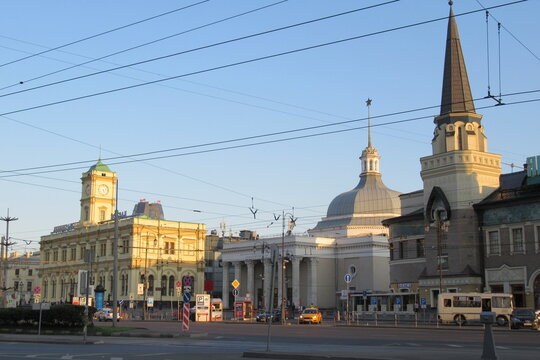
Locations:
{"points": [[488, 351]]}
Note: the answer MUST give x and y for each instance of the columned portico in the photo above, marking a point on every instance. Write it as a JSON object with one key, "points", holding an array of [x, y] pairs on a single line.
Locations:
{"points": [[313, 282], [279, 283], [237, 269], [225, 286], [267, 281], [296, 280], [251, 278]]}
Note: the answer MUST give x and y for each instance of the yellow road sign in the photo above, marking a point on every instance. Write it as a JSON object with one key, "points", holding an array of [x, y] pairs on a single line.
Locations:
{"points": [[235, 283]]}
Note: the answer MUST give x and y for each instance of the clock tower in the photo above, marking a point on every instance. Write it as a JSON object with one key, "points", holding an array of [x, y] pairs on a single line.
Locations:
{"points": [[98, 197]]}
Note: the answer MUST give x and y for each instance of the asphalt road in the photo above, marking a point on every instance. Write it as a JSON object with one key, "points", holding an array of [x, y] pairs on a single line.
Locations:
{"points": [[230, 341]]}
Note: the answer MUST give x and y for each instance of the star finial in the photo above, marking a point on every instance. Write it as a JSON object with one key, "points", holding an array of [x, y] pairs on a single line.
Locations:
{"points": [[368, 102]]}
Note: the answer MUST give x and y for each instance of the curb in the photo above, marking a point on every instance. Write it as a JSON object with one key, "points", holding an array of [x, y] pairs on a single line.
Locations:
{"points": [[294, 356]]}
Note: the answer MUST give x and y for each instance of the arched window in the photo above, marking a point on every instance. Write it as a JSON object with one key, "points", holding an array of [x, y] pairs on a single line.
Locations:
{"points": [[151, 283], [164, 284], [171, 285], [86, 213], [460, 138], [370, 165]]}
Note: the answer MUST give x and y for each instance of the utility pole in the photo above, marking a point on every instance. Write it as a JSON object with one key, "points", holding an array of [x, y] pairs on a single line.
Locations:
{"points": [[115, 262], [5, 244]]}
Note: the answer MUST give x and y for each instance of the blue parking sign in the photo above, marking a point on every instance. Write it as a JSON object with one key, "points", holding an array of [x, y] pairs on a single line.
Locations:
{"points": [[398, 301], [373, 301], [423, 301]]}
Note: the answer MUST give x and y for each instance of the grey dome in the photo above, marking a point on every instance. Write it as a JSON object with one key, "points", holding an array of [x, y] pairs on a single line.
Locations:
{"points": [[370, 196]]}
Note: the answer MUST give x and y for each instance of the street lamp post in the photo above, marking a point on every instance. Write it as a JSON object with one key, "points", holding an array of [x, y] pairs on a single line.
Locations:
{"points": [[292, 221]]}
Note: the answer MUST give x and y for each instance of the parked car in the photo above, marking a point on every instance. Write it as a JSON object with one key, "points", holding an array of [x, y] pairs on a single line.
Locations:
{"points": [[106, 314], [310, 316], [525, 318], [276, 316]]}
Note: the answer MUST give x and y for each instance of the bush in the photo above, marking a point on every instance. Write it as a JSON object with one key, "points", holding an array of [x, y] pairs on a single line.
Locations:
{"points": [[59, 316]]}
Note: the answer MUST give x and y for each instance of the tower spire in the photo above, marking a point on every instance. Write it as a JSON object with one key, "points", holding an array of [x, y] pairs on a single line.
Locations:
{"points": [[368, 104], [456, 91]]}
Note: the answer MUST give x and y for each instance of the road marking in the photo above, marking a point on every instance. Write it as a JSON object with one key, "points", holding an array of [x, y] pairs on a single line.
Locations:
{"points": [[67, 357], [454, 345], [153, 354], [413, 344], [503, 348], [117, 358]]}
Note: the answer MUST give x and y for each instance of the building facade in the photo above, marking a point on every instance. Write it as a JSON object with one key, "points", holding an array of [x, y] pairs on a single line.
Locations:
{"points": [[350, 240], [154, 255], [510, 226], [22, 278]]}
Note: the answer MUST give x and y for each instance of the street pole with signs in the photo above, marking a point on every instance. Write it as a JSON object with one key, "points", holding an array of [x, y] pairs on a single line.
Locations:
{"points": [[348, 279]]}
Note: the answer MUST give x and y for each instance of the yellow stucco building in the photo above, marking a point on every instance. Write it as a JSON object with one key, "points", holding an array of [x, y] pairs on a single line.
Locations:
{"points": [[154, 255]]}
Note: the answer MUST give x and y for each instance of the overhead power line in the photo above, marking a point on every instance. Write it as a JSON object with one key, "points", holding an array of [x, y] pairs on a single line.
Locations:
{"points": [[103, 33], [18, 172], [198, 49], [221, 66], [144, 44]]}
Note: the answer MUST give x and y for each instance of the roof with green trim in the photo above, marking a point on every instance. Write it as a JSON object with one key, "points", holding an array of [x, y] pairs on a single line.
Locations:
{"points": [[99, 166]]}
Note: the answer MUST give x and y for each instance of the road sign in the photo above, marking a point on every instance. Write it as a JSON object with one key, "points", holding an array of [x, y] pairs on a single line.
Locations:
{"points": [[398, 301], [140, 289], [185, 317], [373, 301], [178, 283], [178, 291], [187, 297], [423, 302], [235, 292], [37, 290], [235, 283], [347, 278], [150, 302], [37, 298]]}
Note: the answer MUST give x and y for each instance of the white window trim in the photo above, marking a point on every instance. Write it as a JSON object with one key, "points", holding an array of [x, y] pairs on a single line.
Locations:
{"points": [[488, 247], [512, 252]]}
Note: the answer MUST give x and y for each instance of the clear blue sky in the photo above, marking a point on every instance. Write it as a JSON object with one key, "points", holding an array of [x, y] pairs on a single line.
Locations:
{"points": [[400, 70]]}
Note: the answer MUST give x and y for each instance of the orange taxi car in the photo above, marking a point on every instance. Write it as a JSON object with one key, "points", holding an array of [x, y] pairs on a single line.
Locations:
{"points": [[310, 316]]}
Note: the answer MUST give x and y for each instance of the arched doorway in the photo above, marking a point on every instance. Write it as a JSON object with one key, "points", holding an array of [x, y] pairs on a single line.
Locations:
{"points": [[536, 290]]}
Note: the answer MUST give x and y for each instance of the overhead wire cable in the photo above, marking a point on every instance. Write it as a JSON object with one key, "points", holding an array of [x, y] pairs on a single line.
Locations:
{"points": [[103, 33], [271, 134], [510, 33], [258, 143], [226, 65], [144, 44], [211, 46]]}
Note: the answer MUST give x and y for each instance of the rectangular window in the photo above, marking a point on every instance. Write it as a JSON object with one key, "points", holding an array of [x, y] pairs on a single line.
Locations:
{"points": [[64, 254], [17, 272], [517, 243], [55, 255], [443, 262], [391, 247], [29, 286], [16, 285], [47, 256], [93, 250], [125, 246], [73, 253], [420, 250], [169, 247], [493, 243], [29, 272], [401, 249], [103, 249]]}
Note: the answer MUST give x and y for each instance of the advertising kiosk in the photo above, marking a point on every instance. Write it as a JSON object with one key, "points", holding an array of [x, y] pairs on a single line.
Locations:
{"points": [[243, 308], [216, 310]]}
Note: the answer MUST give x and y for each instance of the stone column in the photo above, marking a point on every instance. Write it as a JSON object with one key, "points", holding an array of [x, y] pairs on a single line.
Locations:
{"points": [[296, 280], [237, 274], [251, 278], [266, 283], [313, 283], [225, 285]]}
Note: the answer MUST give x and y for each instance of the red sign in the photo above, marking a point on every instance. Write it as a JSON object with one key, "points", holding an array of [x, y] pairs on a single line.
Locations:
{"points": [[37, 290], [178, 283], [208, 285], [185, 318]]}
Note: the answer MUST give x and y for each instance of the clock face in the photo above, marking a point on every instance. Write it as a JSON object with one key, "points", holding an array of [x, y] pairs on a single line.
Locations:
{"points": [[103, 189]]}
